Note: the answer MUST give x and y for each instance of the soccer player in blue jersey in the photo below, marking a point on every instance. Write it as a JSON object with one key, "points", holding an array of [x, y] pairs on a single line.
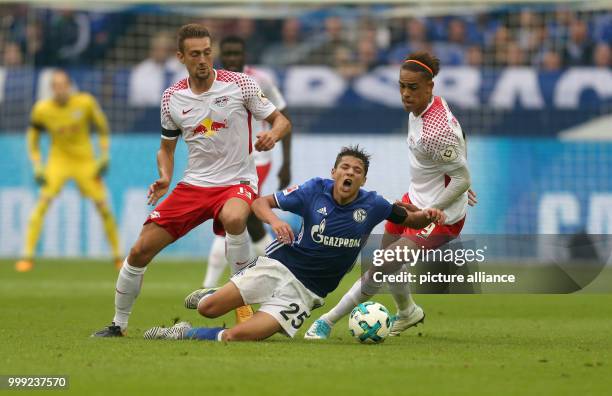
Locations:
{"points": [[297, 273]]}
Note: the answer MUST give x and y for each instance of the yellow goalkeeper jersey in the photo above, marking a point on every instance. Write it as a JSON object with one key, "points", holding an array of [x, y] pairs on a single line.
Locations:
{"points": [[68, 127]]}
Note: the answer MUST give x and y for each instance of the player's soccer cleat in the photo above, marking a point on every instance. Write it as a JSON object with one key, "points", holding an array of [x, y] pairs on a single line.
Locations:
{"points": [[24, 266], [192, 300], [176, 332], [243, 313], [110, 331], [319, 330], [400, 323]]}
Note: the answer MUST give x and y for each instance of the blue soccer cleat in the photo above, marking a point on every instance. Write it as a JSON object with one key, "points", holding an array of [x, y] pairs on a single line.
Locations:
{"points": [[319, 330]]}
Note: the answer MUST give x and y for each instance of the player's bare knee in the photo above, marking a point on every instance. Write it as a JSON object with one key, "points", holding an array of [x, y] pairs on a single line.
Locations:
{"points": [[139, 257], [208, 308], [234, 224]]}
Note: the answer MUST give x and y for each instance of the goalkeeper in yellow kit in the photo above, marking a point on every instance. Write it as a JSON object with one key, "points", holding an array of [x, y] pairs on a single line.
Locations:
{"points": [[67, 117]]}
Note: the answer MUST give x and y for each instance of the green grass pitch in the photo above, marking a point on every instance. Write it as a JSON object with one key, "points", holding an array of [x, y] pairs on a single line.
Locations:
{"points": [[470, 344]]}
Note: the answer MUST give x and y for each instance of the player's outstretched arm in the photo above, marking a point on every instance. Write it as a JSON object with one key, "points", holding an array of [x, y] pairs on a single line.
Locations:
{"points": [[423, 218], [262, 207], [280, 128], [165, 167], [409, 207], [460, 182]]}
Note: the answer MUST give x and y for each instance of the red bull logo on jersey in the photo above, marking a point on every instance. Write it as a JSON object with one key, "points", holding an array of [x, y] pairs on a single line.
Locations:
{"points": [[208, 127]]}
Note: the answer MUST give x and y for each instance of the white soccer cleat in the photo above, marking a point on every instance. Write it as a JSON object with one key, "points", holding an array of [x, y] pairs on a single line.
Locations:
{"points": [[192, 300], [176, 332], [400, 323]]}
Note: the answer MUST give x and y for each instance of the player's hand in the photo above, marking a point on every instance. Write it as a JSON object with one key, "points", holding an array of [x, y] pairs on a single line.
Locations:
{"points": [[157, 190], [472, 197], [284, 176], [39, 175], [435, 215], [283, 232], [265, 141], [409, 207], [102, 165]]}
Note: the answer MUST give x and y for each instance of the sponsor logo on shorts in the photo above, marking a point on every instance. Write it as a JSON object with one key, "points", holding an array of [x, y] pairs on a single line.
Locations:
{"points": [[245, 192], [155, 215], [359, 215]]}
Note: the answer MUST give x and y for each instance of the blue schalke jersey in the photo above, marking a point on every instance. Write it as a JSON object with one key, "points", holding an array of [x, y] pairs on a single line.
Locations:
{"points": [[331, 236]]}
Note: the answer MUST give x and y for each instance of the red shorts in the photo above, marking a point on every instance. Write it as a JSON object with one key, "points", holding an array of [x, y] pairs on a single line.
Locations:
{"points": [[188, 206], [262, 174], [430, 237]]}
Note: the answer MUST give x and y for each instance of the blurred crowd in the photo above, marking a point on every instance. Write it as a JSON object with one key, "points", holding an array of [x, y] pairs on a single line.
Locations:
{"points": [[548, 39]]}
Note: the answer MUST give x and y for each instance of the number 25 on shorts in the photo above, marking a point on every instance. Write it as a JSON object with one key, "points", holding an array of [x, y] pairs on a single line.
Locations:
{"points": [[298, 321]]}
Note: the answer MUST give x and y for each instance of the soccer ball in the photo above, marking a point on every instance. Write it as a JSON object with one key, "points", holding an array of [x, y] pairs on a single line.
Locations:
{"points": [[370, 322]]}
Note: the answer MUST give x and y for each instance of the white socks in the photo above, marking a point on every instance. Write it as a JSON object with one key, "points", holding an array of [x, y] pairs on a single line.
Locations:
{"points": [[237, 250], [260, 246], [127, 289], [353, 297], [363, 292], [401, 295], [216, 263]]}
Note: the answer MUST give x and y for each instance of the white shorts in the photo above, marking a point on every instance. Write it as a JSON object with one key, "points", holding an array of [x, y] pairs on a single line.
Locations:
{"points": [[280, 293]]}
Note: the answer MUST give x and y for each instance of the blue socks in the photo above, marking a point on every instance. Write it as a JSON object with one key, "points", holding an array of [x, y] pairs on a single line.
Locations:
{"points": [[204, 333]]}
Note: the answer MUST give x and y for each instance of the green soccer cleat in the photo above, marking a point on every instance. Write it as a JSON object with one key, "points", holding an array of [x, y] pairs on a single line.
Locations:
{"points": [[192, 300], [176, 332]]}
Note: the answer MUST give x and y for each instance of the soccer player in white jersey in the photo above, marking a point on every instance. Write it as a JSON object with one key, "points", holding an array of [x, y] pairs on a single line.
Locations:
{"points": [[212, 110], [233, 58], [439, 178]]}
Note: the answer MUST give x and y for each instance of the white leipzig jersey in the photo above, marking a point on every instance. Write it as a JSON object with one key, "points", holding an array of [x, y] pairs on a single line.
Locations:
{"points": [[273, 94], [436, 146], [217, 127]]}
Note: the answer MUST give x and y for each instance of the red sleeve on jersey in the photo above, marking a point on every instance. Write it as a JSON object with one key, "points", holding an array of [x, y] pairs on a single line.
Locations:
{"points": [[166, 119], [248, 86], [437, 133]]}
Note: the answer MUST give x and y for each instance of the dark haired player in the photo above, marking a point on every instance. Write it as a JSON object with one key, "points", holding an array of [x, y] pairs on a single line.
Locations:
{"points": [[439, 179], [298, 273], [212, 111], [233, 58]]}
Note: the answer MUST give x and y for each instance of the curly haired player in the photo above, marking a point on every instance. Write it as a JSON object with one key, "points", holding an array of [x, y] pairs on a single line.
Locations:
{"points": [[439, 179]]}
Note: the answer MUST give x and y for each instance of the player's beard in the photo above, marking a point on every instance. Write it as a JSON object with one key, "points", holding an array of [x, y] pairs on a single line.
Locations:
{"points": [[202, 74]]}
